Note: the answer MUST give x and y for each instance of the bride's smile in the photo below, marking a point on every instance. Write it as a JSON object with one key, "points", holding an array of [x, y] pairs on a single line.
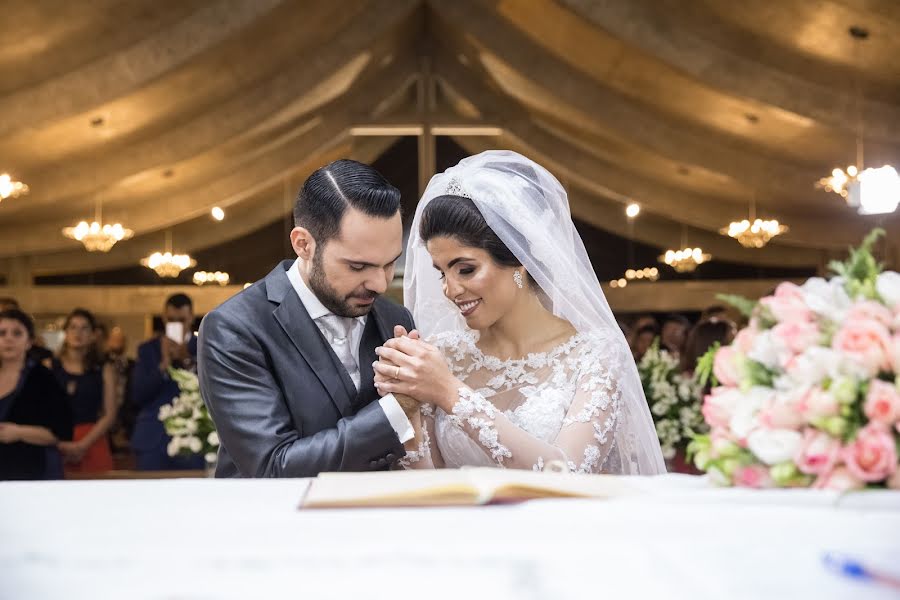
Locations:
{"points": [[481, 289], [468, 307]]}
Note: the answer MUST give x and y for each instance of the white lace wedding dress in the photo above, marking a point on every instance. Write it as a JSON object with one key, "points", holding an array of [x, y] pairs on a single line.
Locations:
{"points": [[560, 407], [579, 406]]}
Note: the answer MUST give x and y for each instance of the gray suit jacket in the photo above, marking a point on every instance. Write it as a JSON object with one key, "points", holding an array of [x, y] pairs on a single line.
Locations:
{"points": [[283, 404]]}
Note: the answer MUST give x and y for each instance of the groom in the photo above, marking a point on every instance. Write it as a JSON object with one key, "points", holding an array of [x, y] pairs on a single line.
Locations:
{"points": [[285, 366]]}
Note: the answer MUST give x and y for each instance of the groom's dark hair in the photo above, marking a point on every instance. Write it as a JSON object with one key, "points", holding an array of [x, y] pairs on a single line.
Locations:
{"points": [[326, 194]]}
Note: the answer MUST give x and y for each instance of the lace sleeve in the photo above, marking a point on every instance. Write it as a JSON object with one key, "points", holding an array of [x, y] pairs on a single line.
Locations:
{"points": [[586, 437], [423, 455]]}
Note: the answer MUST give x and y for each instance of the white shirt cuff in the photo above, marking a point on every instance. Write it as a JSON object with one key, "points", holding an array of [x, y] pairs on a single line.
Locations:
{"points": [[397, 418]]}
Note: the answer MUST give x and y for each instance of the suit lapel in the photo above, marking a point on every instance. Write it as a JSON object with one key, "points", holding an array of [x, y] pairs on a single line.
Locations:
{"points": [[306, 337]]}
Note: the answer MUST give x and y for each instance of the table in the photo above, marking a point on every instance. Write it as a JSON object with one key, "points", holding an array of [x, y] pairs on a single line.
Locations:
{"points": [[204, 538]]}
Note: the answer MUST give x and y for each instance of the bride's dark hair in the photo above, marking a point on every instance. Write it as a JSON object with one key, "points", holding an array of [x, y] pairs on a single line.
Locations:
{"points": [[458, 217]]}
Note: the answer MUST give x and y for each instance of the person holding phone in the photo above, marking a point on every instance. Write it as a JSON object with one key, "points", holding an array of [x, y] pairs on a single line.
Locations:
{"points": [[153, 387]]}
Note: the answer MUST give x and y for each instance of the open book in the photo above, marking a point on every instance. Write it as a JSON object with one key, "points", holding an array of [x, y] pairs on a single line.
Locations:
{"points": [[455, 487]]}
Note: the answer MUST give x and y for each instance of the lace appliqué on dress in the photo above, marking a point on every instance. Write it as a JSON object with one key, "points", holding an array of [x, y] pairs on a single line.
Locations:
{"points": [[467, 409]]}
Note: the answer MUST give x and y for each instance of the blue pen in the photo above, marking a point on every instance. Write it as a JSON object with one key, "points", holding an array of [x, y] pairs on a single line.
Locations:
{"points": [[852, 568]]}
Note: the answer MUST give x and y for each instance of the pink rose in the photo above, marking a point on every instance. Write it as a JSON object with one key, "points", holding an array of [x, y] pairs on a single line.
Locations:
{"points": [[796, 336], [869, 310], [893, 481], [753, 476], [725, 366], [818, 453], [743, 341], [788, 304], [841, 480], [894, 353], [882, 402], [719, 406], [782, 410], [817, 404], [866, 343], [872, 456]]}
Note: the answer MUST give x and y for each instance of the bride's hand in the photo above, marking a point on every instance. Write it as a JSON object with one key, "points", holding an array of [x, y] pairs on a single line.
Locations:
{"points": [[409, 405], [417, 369]]}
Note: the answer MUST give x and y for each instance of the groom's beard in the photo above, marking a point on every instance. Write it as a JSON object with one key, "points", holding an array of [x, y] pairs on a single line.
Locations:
{"points": [[330, 298]]}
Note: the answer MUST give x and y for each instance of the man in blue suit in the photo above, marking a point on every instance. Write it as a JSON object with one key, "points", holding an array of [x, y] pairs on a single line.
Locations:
{"points": [[152, 387]]}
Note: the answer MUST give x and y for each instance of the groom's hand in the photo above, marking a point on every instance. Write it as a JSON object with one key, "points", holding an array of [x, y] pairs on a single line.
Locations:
{"points": [[400, 331], [409, 405]]}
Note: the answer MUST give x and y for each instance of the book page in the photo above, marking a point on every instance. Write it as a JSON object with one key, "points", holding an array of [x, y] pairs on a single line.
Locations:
{"points": [[516, 484], [447, 487]]}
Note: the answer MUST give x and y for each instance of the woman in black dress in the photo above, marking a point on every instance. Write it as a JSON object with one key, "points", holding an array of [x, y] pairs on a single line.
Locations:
{"points": [[34, 413]]}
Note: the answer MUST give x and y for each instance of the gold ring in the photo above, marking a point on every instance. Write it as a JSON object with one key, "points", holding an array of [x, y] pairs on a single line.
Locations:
{"points": [[397, 374]]}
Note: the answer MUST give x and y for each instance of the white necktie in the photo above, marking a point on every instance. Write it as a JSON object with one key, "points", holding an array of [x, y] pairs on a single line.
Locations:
{"points": [[338, 332]]}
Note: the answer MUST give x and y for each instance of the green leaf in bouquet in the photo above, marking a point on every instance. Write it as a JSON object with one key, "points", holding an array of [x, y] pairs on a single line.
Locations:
{"points": [[704, 371], [755, 374], [787, 474], [860, 270], [746, 306], [699, 451]]}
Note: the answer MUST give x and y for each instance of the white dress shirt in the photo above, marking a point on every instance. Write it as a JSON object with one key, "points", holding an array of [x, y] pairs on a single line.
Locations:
{"points": [[395, 415]]}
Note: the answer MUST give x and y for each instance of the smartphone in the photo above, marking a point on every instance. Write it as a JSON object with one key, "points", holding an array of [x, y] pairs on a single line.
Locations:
{"points": [[175, 332]]}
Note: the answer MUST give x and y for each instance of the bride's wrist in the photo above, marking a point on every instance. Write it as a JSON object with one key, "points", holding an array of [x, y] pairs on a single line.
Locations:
{"points": [[450, 395]]}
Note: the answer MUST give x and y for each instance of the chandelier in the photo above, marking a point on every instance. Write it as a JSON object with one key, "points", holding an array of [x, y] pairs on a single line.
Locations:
{"points": [[206, 277], [753, 232], [685, 260], [96, 236], [645, 274], [870, 191], [9, 188], [167, 264]]}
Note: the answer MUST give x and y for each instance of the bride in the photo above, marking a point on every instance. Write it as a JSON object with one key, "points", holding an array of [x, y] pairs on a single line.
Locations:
{"points": [[522, 364]]}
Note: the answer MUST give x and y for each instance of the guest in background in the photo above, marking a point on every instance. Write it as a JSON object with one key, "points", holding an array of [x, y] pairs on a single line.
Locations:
{"points": [[101, 336], [716, 310], [638, 323], [90, 386], [152, 386], [37, 353], [674, 333], [642, 340], [34, 414], [702, 337], [123, 427]]}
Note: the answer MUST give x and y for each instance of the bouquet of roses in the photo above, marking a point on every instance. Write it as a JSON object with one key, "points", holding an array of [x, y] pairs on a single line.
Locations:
{"points": [[187, 420], [674, 399], [808, 394]]}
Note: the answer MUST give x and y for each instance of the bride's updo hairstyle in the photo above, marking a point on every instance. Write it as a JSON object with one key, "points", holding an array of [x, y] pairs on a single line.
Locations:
{"points": [[457, 217]]}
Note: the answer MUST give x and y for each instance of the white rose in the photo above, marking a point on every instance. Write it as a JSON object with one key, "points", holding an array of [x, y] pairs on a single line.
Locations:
{"points": [[173, 447], [195, 444], [165, 411], [827, 297], [210, 457], [773, 446], [213, 438], [888, 287], [813, 366], [745, 417], [765, 350]]}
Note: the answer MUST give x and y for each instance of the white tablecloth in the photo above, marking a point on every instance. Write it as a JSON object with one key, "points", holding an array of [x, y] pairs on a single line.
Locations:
{"points": [[200, 538]]}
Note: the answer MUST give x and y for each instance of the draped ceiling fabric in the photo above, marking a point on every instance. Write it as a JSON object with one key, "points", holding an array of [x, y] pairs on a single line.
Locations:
{"points": [[165, 109]]}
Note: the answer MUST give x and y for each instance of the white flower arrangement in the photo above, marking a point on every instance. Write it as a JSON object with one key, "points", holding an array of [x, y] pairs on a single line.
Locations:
{"points": [[187, 420], [674, 400]]}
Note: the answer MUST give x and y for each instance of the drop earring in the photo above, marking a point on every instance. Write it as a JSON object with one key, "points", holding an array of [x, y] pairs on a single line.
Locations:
{"points": [[517, 277]]}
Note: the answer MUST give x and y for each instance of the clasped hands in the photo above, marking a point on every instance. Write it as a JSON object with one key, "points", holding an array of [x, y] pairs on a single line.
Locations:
{"points": [[416, 371]]}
